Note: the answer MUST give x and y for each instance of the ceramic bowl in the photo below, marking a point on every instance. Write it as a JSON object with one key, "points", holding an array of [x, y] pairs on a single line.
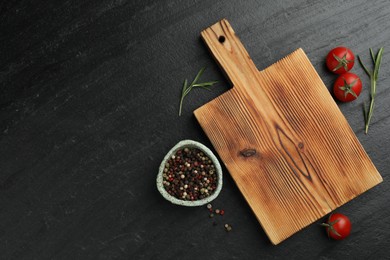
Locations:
{"points": [[208, 153]]}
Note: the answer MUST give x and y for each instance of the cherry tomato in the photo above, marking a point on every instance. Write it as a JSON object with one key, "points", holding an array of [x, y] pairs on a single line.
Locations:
{"points": [[340, 60], [338, 226], [347, 87]]}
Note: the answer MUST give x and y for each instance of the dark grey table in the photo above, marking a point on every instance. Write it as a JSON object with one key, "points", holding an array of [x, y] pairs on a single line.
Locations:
{"points": [[89, 106]]}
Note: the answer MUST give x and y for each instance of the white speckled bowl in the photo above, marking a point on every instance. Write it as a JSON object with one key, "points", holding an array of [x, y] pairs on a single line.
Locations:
{"points": [[209, 153]]}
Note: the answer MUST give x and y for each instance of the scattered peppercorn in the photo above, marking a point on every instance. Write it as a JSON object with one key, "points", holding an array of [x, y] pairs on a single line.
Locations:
{"points": [[189, 175], [228, 227], [221, 212]]}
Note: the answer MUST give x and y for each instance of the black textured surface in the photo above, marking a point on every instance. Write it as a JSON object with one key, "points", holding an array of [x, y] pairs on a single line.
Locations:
{"points": [[88, 108]]}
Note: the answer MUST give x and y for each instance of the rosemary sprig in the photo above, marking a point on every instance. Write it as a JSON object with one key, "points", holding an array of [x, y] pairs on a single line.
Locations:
{"points": [[373, 79], [187, 88]]}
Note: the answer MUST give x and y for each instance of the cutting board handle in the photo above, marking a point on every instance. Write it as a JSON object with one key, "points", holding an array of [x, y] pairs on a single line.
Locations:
{"points": [[229, 53]]}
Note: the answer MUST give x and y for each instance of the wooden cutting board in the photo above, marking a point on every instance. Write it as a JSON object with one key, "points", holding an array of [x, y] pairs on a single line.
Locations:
{"points": [[282, 138]]}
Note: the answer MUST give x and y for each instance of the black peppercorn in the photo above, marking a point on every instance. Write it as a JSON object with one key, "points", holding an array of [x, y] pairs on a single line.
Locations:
{"points": [[187, 175]]}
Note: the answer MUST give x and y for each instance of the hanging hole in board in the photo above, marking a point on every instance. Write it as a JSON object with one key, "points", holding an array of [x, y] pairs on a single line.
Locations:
{"points": [[221, 39]]}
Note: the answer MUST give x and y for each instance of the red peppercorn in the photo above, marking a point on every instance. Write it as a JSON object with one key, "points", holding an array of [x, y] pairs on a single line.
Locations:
{"points": [[221, 212]]}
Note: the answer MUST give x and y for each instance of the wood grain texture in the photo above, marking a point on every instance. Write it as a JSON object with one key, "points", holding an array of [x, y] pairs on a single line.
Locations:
{"points": [[282, 137]]}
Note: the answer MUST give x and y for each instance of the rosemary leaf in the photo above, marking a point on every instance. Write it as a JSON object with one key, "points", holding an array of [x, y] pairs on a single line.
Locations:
{"points": [[364, 67], [205, 84], [184, 87], [373, 79], [378, 63], [372, 56], [198, 76], [184, 93], [187, 88]]}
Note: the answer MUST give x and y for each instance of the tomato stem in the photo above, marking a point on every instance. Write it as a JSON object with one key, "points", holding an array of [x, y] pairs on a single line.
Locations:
{"points": [[342, 62], [330, 228]]}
